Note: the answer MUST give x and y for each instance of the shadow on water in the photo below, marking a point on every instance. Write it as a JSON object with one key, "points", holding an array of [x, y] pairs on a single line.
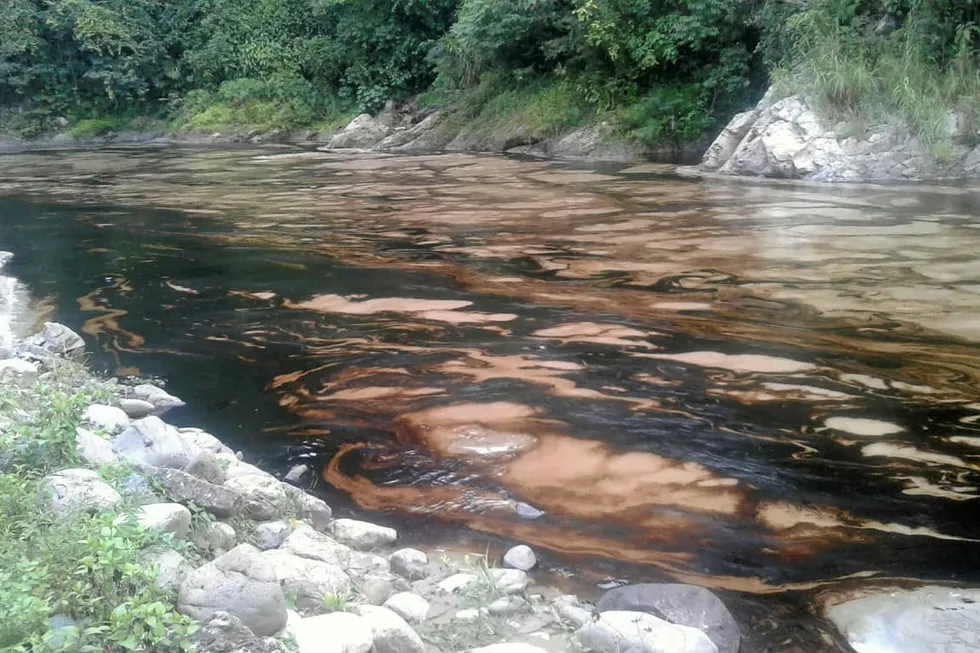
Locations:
{"points": [[767, 390]]}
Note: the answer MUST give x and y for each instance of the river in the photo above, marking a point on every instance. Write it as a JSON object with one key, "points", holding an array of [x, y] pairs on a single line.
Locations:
{"points": [[771, 390]]}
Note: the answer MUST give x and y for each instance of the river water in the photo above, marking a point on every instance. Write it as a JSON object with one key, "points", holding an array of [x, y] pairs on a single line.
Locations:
{"points": [[769, 390]]}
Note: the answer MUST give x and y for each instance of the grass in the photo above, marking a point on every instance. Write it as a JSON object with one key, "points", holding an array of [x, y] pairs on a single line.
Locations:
{"points": [[858, 78], [85, 567]]}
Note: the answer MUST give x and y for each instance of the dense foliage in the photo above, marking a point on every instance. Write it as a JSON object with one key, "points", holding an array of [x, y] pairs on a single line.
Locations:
{"points": [[671, 69]]}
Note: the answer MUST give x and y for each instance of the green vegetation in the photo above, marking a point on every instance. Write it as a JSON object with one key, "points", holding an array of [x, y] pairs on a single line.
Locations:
{"points": [[88, 568], [665, 71]]}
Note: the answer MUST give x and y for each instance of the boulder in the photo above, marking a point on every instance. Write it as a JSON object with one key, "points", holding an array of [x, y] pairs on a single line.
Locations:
{"points": [[520, 557], [391, 633], [928, 619], [410, 607], [686, 605], [73, 490], [312, 508], [150, 441], [363, 132], [161, 399], [59, 340], [271, 535], [165, 518], [263, 497], [363, 565], [92, 449], [378, 588], [242, 583], [724, 146], [361, 534], [136, 408], [205, 465], [337, 632], [235, 468], [204, 440], [420, 137], [226, 633], [409, 563], [14, 371], [639, 632], [575, 615], [171, 568], [108, 419], [219, 500], [307, 581], [308, 543], [216, 536]]}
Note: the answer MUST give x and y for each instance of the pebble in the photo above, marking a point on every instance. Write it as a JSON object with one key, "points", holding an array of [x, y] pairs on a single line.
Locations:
{"points": [[520, 557]]}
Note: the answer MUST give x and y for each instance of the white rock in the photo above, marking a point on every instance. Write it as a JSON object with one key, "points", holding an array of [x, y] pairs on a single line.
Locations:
{"points": [[516, 647], [204, 440], [410, 607], [171, 568], [92, 449], [927, 619], [506, 606], [151, 441], [573, 614], [364, 564], [520, 557], [469, 614], [235, 468], [295, 473], [337, 632], [509, 581], [165, 518], [72, 490], [271, 535], [161, 399], [409, 563], [361, 534], [458, 583], [639, 632], [109, 419], [312, 508], [391, 633], [306, 580], [264, 497], [378, 588], [309, 543], [216, 536], [362, 132], [14, 371]]}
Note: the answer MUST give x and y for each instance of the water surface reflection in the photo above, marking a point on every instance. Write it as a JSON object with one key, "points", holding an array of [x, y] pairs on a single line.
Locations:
{"points": [[771, 390]]}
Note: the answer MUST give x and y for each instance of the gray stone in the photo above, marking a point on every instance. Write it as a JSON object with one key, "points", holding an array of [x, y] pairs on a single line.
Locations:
{"points": [[509, 581], [724, 146], [686, 605], [409, 606], [295, 473], [216, 536], [506, 606], [515, 647], [520, 557], [92, 449], [14, 371], [639, 632], [391, 633], [108, 419], [165, 518], [150, 441], [136, 408], [171, 567], [574, 615], [469, 614], [409, 563], [927, 619], [226, 633], [263, 497], [73, 490], [363, 565], [242, 583], [307, 581], [458, 583], [361, 534], [308, 543], [312, 508], [219, 500], [271, 535], [161, 399], [378, 588], [205, 465], [59, 340], [235, 468], [337, 632], [363, 132]]}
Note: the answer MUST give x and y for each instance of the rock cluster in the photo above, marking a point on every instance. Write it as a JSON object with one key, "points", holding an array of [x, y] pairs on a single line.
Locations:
{"points": [[788, 139]]}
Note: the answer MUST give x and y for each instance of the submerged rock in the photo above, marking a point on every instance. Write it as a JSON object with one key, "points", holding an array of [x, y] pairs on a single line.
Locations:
{"points": [[925, 620], [686, 605]]}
